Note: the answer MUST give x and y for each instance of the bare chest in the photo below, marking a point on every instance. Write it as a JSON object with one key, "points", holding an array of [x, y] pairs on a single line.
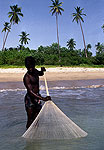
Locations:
{"points": [[34, 79]]}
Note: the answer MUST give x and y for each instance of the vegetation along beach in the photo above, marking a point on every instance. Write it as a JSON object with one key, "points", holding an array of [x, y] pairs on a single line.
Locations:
{"points": [[67, 38]]}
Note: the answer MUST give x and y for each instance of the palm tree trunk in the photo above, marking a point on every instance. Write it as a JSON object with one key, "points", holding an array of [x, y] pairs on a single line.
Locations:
{"points": [[5, 40], [83, 38], [58, 36], [6, 37]]}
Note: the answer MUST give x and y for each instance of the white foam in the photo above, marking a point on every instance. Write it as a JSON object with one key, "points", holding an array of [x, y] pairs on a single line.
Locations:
{"points": [[59, 87], [42, 87], [4, 90]]}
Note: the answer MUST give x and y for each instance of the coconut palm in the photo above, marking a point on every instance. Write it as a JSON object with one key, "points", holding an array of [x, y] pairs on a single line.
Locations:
{"points": [[56, 9], [24, 38], [89, 54], [88, 46], [71, 44], [78, 18], [14, 18], [103, 27], [6, 28], [99, 48]]}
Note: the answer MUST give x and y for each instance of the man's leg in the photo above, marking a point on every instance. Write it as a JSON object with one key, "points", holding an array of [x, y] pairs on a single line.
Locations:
{"points": [[29, 117], [32, 113], [36, 110]]}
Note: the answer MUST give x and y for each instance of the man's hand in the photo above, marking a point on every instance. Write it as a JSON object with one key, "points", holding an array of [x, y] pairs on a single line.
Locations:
{"points": [[43, 69], [47, 98]]}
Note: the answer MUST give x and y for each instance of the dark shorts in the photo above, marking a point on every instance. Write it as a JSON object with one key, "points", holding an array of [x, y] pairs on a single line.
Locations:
{"points": [[33, 103]]}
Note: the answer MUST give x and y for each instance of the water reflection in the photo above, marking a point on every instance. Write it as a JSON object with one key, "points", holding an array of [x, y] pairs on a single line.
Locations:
{"points": [[53, 145]]}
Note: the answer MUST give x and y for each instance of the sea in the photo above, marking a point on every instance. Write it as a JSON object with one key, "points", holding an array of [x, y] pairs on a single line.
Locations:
{"points": [[82, 101]]}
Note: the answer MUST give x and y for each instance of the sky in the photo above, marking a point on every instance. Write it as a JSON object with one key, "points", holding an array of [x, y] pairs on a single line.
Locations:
{"points": [[41, 25]]}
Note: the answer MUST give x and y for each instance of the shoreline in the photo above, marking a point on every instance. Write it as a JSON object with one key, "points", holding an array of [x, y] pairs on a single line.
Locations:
{"points": [[53, 74], [68, 77]]}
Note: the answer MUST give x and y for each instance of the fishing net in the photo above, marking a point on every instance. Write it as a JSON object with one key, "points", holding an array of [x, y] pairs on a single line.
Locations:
{"points": [[52, 123]]}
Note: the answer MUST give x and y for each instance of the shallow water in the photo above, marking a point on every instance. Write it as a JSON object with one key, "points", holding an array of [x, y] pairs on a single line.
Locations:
{"points": [[85, 106]]}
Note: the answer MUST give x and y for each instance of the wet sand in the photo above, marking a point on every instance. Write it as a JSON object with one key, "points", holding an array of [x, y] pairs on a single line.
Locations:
{"points": [[54, 76]]}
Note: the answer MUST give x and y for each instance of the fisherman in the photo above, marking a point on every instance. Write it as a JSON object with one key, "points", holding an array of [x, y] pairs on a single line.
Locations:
{"points": [[31, 82]]}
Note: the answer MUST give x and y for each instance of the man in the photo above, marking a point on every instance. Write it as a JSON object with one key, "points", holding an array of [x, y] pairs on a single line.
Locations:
{"points": [[31, 82]]}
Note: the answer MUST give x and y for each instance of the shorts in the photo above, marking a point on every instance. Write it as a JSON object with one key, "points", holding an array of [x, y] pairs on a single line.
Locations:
{"points": [[31, 102]]}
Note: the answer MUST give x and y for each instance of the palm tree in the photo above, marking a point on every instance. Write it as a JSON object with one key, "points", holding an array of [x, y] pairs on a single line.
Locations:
{"points": [[88, 47], [24, 38], [14, 18], [71, 44], [103, 27], [78, 18], [6, 28], [99, 48], [56, 9], [89, 54]]}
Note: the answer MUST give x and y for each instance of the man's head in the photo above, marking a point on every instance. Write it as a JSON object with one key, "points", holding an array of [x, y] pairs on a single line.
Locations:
{"points": [[29, 62]]}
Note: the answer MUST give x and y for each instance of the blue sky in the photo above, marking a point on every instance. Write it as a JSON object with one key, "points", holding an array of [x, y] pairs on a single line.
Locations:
{"points": [[41, 26]]}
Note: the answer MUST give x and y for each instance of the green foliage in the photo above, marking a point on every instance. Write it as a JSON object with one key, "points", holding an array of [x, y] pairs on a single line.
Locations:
{"points": [[6, 27], [99, 48], [71, 44], [14, 19], [56, 7], [48, 55], [24, 38], [1, 58], [14, 14], [78, 14]]}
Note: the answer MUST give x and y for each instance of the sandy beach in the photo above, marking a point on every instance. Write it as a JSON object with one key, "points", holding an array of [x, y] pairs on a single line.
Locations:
{"points": [[52, 74]]}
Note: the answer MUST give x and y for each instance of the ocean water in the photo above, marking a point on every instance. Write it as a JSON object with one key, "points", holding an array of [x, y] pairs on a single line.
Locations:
{"points": [[82, 102]]}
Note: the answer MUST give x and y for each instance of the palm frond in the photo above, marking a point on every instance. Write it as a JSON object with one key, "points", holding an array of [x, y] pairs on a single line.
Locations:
{"points": [[59, 12], [51, 10], [81, 19], [83, 14], [52, 1], [61, 9], [54, 11], [20, 14], [56, 7], [13, 15], [51, 6], [78, 14]]}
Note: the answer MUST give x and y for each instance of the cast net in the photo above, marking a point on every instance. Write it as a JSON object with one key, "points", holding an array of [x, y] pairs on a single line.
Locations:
{"points": [[52, 123]]}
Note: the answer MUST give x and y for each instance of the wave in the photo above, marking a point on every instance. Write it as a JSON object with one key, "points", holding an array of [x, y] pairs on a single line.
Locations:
{"points": [[73, 87], [55, 88], [3, 90]]}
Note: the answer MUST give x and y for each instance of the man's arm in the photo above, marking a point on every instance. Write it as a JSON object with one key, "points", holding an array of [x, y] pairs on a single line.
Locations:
{"points": [[29, 89], [41, 73]]}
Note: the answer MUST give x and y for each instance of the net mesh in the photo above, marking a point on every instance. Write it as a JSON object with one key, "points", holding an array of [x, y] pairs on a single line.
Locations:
{"points": [[52, 123]]}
